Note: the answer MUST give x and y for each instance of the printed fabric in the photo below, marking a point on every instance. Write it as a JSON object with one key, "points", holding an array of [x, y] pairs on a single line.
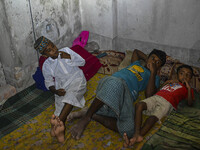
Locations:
{"points": [[174, 93], [114, 93]]}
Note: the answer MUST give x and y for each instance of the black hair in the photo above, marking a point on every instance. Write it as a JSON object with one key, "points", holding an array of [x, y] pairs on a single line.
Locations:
{"points": [[185, 66], [161, 55]]}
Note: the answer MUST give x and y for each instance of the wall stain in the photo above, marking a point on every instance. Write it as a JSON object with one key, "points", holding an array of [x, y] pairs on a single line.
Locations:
{"points": [[48, 28], [61, 21], [102, 6], [160, 21], [11, 42]]}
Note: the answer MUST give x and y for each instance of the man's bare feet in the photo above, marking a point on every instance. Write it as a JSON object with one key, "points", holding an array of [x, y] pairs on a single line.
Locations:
{"points": [[60, 131], [54, 123], [77, 129], [126, 140], [135, 139], [77, 114]]}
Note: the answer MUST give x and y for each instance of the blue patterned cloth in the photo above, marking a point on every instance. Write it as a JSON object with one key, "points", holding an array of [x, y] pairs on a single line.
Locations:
{"points": [[114, 93], [41, 43]]}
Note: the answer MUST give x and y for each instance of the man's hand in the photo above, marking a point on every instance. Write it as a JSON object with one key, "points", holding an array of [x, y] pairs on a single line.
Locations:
{"points": [[60, 92], [64, 55], [152, 68]]}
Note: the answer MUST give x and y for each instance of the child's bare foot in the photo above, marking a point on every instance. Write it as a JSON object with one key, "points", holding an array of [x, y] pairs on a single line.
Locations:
{"points": [[77, 114], [77, 129], [60, 131], [53, 122]]}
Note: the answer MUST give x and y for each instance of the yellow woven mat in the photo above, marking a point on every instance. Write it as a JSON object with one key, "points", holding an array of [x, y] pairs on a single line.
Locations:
{"points": [[35, 134]]}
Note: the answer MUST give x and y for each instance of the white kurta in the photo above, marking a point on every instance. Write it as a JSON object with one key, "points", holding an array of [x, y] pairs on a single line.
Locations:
{"points": [[67, 76]]}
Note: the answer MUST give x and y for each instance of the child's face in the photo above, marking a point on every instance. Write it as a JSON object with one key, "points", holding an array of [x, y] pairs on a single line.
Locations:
{"points": [[51, 51], [184, 74], [154, 59]]}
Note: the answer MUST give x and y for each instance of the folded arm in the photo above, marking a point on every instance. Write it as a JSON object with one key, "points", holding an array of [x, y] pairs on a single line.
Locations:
{"points": [[74, 59], [190, 96], [137, 55], [151, 87]]}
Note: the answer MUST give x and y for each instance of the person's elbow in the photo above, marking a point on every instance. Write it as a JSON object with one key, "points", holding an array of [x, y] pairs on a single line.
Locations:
{"points": [[149, 93], [82, 63]]}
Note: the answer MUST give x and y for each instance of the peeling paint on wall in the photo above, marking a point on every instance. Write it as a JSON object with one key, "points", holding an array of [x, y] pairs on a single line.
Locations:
{"points": [[50, 19], [2, 76], [103, 7], [61, 21], [48, 28]]}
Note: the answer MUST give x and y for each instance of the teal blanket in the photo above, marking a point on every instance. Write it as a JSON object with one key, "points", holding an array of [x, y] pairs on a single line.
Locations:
{"points": [[22, 107]]}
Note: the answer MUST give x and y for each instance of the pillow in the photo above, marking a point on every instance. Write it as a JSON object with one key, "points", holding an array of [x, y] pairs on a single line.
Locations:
{"points": [[196, 79], [92, 63], [110, 62], [167, 69], [127, 60]]}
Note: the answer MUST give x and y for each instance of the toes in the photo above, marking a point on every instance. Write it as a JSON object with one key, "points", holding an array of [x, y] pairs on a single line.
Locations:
{"points": [[61, 123], [53, 117], [78, 136], [132, 141], [57, 118], [69, 117], [125, 145], [139, 139], [126, 138], [73, 133]]}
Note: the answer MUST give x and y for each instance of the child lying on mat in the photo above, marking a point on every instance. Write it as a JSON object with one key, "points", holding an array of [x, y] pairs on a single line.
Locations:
{"points": [[115, 95], [162, 103], [65, 79]]}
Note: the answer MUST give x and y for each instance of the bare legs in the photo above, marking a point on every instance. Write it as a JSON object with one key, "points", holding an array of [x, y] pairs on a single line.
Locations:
{"points": [[140, 132], [108, 122], [57, 123], [77, 114], [78, 128], [65, 112]]}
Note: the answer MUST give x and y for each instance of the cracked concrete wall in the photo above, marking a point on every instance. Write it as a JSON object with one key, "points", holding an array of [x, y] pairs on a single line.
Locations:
{"points": [[2, 77], [99, 17], [164, 24], [58, 20]]}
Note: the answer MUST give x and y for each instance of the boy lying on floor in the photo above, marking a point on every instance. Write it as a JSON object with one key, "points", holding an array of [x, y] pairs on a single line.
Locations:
{"points": [[115, 95], [162, 103]]}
